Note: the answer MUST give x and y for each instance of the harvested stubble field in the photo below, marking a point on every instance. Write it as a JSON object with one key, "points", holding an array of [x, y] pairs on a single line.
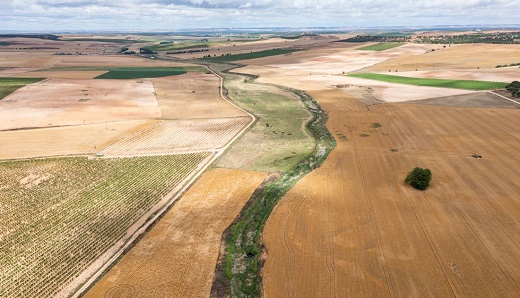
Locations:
{"points": [[193, 95], [178, 136], [65, 140], [59, 215], [177, 257], [467, 56], [353, 228]]}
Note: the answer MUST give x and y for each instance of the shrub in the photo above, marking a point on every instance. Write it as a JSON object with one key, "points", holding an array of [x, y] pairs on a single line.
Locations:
{"points": [[419, 178]]}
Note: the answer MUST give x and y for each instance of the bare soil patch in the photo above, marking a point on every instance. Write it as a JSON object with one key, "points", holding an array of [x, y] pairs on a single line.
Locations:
{"points": [[473, 100], [178, 255], [72, 102]]}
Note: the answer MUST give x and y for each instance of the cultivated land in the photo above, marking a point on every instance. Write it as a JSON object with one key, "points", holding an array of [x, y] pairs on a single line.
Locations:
{"points": [[60, 215], [352, 227], [192, 95], [177, 256], [70, 203], [444, 83], [9, 85], [381, 46]]}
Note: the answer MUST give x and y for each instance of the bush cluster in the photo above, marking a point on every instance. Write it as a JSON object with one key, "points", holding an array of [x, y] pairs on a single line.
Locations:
{"points": [[419, 178]]}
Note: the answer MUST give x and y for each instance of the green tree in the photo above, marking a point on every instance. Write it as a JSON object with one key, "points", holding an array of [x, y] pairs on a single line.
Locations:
{"points": [[514, 88], [419, 178]]}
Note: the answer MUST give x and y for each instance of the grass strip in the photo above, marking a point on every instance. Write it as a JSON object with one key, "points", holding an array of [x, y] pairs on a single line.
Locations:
{"points": [[238, 270], [381, 46], [252, 55], [443, 83]]}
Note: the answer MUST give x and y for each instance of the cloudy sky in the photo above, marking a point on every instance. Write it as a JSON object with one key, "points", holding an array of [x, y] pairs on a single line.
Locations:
{"points": [[38, 15]]}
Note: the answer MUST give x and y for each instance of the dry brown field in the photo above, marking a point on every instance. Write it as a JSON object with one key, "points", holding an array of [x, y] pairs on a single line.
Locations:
{"points": [[193, 95], [353, 228], [178, 255]]}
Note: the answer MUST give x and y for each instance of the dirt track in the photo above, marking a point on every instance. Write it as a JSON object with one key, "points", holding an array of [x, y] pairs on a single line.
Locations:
{"points": [[178, 256], [353, 228]]}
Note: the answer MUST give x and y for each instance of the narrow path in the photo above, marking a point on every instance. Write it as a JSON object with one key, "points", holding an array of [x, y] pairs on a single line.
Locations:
{"points": [[511, 100]]}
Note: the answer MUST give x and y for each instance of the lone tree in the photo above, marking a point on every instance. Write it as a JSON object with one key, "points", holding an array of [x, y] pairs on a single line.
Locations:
{"points": [[419, 178], [514, 88]]}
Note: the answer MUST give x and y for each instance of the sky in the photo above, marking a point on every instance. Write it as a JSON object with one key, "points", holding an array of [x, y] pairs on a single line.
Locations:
{"points": [[41, 15]]}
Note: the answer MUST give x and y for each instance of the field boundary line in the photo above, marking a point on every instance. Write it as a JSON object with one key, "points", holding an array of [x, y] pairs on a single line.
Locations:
{"points": [[511, 100], [174, 194]]}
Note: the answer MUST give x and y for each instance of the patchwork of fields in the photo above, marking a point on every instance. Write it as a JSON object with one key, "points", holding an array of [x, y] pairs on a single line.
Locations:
{"points": [[105, 192]]}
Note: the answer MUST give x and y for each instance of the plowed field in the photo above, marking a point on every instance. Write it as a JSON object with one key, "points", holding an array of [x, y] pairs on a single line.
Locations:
{"points": [[178, 256], [352, 228]]}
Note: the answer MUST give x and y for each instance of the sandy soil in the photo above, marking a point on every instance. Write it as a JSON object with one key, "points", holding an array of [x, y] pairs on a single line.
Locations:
{"points": [[71, 102], [177, 257], [353, 228], [193, 95], [466, 56], [178, 136], [67, 140]]}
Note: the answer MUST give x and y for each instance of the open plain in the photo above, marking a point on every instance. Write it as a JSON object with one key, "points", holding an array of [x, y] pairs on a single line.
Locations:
{"points": [[351, 227]]}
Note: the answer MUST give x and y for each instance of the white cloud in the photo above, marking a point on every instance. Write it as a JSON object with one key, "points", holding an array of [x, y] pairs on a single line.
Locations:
{"points": [[175, 14]]}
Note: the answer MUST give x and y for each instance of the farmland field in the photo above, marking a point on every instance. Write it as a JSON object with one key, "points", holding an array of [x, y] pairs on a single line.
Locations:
{"points": [[354, 228], [444, 83], [59, 215], [178, 256], [381, 46], [9, 85], [252, 55], [177, 136], [124, 73]]}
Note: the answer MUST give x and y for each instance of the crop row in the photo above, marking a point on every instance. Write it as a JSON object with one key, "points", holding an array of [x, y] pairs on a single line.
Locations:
{"points": [[59, 215], [172, 136]]}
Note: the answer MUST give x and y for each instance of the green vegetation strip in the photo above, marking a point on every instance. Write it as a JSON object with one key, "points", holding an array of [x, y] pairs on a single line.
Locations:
{"points": [[381, 46], [238, 270], [122, 73], [444, 83], [107, 40], [252, 55], [9, 85]]}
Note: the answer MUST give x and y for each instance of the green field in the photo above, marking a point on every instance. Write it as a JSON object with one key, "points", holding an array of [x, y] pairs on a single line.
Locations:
{"points": [[252, 55], [9, 85], [61, 214], [278, 140], [4, 43], [123, 73], [381, 46], [444, 83]]}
